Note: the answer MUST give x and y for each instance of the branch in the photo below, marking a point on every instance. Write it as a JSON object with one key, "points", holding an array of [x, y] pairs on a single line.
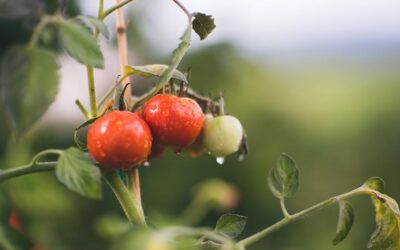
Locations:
{"points": [[301, 215], [114, 8], [27, 169]]}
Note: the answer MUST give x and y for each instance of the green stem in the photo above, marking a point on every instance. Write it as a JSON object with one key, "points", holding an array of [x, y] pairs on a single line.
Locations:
{"points": [[39, 29], [27, 169], [283, 207], [34, 166], [127, 200], [92, 91], [82, 109], [114, 8], [101, 9], [301, 215]]}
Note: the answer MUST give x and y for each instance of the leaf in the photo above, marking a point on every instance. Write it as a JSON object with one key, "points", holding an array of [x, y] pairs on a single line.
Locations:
{"points": [[283, 180], [94, 23], [153, 70], [375, 183], [76, 170], [387, 233], [28, 85], [80, 44], [231, 225], [203, 25], [345, 221]]}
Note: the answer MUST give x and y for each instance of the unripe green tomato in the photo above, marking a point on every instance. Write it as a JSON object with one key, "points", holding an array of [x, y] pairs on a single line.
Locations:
{"points": [[222, 135]]}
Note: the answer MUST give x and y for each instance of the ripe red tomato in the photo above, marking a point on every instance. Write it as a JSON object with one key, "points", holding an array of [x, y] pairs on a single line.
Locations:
{"points": [[119, 140], [174, 121]]}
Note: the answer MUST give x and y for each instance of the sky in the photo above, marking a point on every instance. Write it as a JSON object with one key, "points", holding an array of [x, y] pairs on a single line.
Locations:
{"points": [[273, 26]]}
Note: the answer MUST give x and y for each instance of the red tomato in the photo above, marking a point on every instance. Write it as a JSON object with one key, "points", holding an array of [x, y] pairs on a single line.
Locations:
{"points": [[174, 121], [119, 140]]}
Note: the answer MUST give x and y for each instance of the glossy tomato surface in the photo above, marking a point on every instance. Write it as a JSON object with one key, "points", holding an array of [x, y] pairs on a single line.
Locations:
{"points": [[174, 121], [222, 135], [119, 140]]}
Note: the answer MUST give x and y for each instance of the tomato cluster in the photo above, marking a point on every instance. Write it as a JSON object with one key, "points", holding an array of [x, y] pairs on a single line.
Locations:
{"points": [[123, 139]]}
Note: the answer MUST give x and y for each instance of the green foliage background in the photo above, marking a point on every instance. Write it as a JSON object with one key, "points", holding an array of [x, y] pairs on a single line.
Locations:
{"points": [[339, 120]]}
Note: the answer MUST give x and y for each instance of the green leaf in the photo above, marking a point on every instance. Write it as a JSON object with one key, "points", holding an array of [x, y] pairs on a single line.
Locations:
{"points": [[231, 225], [375, 183], [203, 25], [80, 44], [76, 170], [283, 180], [95, 24], [387, 215], [345, 221], [153, 70], [28, 85]]}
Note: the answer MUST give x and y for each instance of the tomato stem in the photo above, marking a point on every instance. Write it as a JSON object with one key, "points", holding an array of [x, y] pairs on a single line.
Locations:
{"points": [[129, 203], [301, 215]]}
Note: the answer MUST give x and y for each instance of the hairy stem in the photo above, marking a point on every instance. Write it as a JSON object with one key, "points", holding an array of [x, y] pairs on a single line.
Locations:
{"points": [[82, 108], [301, 215], [92, 91], [128, 202], [27, 169]]}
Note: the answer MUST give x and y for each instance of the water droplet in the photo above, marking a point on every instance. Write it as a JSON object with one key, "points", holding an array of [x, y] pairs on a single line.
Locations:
{"points": [[220, 160], [178, 151], [241, 157], [146, 163]]}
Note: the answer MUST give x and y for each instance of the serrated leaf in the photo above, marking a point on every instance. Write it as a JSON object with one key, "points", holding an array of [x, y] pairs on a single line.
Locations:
{"points": [[387, 233], [203, 25], [153, 70], [80, 44], [76, 170], [375, 183], [345, 221], [283, 180], [94, 23], [231, 225], [28, 85]]}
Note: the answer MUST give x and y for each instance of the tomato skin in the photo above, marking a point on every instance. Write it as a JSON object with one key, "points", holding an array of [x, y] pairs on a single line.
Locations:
{"points": [[119, 140], [222, 135], [174, 121]]}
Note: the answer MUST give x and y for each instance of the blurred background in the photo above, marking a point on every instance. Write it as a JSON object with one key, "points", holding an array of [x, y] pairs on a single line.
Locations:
{"points": [[317, 80]]}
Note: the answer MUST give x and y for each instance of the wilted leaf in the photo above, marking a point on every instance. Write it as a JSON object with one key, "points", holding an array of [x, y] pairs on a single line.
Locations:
{"points": [[387, 232], [153, 70], [76, 170], [80, 44], [203, 25], [375, 183], [283, 180], [231, 225], [345, 221], [94, 23], [29, 83]]}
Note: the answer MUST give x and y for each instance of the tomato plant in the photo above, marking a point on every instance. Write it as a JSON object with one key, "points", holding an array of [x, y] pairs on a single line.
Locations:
{"points": [[171, 114]]}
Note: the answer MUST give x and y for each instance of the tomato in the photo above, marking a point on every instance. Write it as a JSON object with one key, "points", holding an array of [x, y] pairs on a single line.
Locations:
{"points": [[119, 140], [14, 222], [222, 135], [174, 121]]}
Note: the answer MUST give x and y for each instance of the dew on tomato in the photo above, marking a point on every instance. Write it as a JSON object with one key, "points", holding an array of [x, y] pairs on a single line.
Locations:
{"points": [[222, 135], [174, 121], [119, 140]]}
